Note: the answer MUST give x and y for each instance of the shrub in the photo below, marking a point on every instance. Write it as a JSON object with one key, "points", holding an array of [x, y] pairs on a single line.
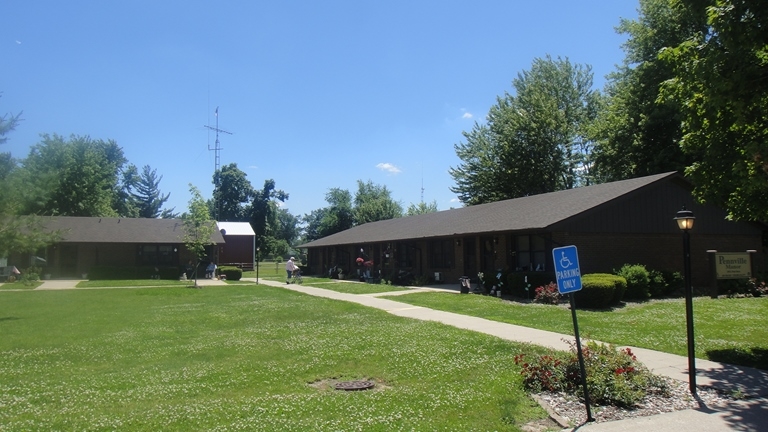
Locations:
{"points": [[231, 272], [657, 285], [614, 377], [545, 373], [638, 281], [30, 275], [421, 280], [756, 288], [547, 294], [598, 290], [674, 281]]}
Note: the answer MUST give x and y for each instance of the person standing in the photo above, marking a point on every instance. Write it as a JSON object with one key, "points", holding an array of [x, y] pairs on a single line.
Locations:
{"points": [[290, 267]]}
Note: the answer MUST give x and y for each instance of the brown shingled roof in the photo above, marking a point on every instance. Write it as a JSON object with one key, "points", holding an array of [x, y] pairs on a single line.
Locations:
{"points": [[119, 230], [526, 213]]}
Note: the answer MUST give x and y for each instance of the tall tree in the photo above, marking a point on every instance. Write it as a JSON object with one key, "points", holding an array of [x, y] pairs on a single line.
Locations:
{"points": [[637, 133], [338, 216], [232, 193], [75, 177], [374, 203], [721, 82], [20, 234], [144, 193], [263, 216], [313, 224], [198, 226], [534, 141], [288, 227]]}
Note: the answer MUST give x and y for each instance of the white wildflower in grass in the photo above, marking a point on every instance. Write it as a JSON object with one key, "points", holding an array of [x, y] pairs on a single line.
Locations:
{"points": [[242, 358]]}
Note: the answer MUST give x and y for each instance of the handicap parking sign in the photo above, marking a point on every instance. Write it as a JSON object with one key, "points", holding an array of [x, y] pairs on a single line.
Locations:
{"points": [[567, 270]]}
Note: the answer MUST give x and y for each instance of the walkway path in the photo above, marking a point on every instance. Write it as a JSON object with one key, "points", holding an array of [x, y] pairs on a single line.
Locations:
{"points": [[746, 415]]}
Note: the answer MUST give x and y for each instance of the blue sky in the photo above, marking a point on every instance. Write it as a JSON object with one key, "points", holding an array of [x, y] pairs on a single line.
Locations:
{"points": [[317, 95]]}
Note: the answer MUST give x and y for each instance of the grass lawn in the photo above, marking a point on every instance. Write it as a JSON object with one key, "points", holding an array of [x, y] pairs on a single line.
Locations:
{"points": [[244, 357], [732, 331], [19, 285]]}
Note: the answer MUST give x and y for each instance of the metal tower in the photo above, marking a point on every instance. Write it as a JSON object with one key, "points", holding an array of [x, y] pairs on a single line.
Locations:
{"points": [[217, 156]]}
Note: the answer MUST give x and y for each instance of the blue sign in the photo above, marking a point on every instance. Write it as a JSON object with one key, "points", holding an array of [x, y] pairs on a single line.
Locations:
{"points": [[567, 270]]}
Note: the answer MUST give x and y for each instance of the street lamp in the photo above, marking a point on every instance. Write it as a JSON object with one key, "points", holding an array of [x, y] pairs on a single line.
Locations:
{"points": [[685, 220], [257, 265]]}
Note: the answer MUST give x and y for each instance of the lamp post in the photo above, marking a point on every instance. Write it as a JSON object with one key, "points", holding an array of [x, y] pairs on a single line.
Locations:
{"points": [[685, 220], [257, 265]]}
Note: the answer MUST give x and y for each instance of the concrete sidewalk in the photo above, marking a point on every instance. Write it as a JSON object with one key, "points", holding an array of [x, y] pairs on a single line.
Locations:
{"points": [[746, 415], [61, 284]]}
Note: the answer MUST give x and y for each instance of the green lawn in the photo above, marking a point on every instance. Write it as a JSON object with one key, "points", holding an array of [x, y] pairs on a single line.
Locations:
{"points": [[244, 357], [726, 330]]}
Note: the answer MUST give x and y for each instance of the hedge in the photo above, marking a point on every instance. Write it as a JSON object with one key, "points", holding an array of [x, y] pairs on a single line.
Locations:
{"points": [[231, 273], [600, 290]]}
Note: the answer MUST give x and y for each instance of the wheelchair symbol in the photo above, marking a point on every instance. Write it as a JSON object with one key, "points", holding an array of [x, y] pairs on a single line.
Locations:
{"points": [[564, 261]]}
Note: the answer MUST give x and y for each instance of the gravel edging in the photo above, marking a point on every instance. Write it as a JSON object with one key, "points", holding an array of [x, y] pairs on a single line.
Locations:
{"points": [[568, 410]]}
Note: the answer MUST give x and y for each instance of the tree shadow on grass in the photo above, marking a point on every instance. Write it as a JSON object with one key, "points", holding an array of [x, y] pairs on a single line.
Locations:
{"points": [[755, 357], [747, 380]]}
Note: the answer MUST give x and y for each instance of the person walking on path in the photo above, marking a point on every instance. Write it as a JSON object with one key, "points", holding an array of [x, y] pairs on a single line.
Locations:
{"points": [[290, 267]]}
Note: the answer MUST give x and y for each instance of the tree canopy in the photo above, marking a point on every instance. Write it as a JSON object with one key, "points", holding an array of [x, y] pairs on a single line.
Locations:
{"points": [[720, 80], [535, 140], [374, 203], [232, 194], [142, 192], [421, 208], [264, 216], [74, 177], [638, 134]]}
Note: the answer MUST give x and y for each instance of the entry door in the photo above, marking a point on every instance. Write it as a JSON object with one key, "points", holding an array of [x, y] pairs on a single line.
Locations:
{"points": [[68, 260]]}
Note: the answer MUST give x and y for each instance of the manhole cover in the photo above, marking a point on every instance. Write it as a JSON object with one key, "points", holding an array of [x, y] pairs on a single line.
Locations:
{"points": [[354, 385]]}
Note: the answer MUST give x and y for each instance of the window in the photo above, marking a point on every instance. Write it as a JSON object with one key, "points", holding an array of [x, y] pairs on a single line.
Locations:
{"points": [[156, 255], [531, 252], [404, 255], [441, 254]]}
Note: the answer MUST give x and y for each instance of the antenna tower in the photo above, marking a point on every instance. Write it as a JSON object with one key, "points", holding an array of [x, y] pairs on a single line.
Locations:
{"points": [[217, 157], [422, 183]]}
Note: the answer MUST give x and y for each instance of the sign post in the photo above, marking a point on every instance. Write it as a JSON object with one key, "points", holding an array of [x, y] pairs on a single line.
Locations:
{"points": [[568, 275]]}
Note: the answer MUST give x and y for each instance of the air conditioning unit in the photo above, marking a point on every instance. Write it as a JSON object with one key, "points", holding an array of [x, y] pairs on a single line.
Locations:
{"points": [[438, 277]]}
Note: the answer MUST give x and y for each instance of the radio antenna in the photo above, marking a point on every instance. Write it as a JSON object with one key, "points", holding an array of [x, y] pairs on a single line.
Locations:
{"points": [[217, 158]]}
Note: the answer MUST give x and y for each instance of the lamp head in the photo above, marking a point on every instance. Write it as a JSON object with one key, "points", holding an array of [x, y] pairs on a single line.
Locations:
{"points": [[685, 219]]}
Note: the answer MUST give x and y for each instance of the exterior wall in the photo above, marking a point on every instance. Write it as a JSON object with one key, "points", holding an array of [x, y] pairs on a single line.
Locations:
{"points": [[237, 250], [76, 259], [605, 252]]}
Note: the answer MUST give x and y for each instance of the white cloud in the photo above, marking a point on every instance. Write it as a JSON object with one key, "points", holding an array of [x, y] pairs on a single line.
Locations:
{"points": [[18, 42], [467, 115], [388, 167], [454, 200]]}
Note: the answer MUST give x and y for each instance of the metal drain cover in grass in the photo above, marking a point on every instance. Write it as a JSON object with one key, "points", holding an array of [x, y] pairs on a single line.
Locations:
{"points": [[354, 385]]}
